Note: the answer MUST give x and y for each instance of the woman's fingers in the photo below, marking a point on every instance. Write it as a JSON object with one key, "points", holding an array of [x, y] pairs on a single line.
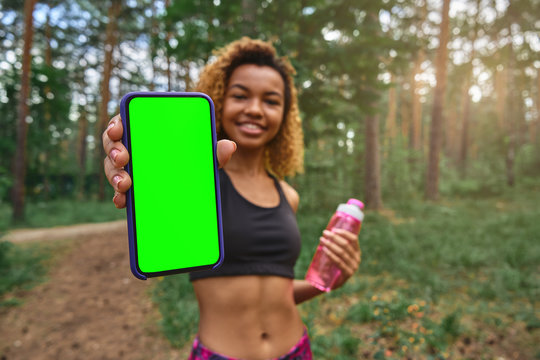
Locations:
{"points": [[225, 149], [112, 143], [340, 256], [117, 157], [118, 178], [119, 200], [343, 249], [115, 128]]}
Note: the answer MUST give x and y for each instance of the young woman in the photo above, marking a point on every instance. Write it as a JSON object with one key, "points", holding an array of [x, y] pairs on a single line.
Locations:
{"points": [[248, 306]]}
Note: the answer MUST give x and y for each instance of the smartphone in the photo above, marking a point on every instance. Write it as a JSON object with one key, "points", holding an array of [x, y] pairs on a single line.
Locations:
{"points": [[173, 206]]}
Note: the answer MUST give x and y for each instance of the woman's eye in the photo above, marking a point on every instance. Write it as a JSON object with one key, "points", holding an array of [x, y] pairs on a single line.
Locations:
{"points": [[239, 96], [272, 102]]}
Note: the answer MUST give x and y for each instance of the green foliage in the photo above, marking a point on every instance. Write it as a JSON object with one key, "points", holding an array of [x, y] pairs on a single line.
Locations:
{"points": [[458, 237], [342, 51], [178, 307], [5, 183], [19, 268], [339, 344], [63, 212]]}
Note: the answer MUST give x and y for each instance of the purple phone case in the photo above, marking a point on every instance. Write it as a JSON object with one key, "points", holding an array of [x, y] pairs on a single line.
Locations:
{"points": [[129, 195]]}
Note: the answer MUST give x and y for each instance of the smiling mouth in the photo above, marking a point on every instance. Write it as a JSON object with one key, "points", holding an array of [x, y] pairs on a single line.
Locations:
{"points": [[251, 128]]}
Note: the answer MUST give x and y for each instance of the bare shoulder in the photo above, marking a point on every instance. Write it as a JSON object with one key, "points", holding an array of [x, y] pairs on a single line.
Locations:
{"points": [[291, 194]]}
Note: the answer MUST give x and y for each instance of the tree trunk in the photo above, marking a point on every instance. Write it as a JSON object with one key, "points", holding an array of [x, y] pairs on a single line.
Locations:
{"points": [[81, 153], [405, 115], [501, 83], [416, 108], [432, 175], [535, 130], [154, 31], [415, 142], [467, 105], [47, 106], [169, 75], [372, 195], [511, 114], [463, 148], [110, 43], [512, 141], [19, 165], [167, 55], [450, 135], [390, 125]]}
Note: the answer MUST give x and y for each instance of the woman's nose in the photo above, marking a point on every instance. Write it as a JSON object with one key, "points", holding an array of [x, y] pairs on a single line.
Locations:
{"points": [[254, 107]]}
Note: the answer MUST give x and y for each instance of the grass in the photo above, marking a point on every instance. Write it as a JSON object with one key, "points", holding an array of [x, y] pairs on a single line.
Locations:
{"points": [[62, 212], [22, 267], [456, 279]]}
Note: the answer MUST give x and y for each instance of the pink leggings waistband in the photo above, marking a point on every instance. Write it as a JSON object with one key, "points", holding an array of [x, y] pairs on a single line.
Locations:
{"points": [[300, 351]]}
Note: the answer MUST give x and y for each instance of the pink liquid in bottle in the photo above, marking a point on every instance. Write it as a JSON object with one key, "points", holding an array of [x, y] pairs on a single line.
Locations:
{"points": [[323, 272]]}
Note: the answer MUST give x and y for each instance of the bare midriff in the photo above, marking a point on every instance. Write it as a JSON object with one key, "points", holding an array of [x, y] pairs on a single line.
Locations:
{"points": [[248, 317]]}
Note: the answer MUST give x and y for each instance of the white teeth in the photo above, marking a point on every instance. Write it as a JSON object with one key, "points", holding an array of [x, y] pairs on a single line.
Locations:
{"points": [[251, 126]]}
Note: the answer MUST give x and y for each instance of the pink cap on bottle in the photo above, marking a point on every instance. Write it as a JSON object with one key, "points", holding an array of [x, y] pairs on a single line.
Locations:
{"points": [[356, 202]]}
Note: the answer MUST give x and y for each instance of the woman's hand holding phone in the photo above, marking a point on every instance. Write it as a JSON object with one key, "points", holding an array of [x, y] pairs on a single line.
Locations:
{"points": [[118, 157]]}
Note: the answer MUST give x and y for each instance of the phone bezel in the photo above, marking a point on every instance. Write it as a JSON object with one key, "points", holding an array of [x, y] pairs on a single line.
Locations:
{"points": [[130, 196]]}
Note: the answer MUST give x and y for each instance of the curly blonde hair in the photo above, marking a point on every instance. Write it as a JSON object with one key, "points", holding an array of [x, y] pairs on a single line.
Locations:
{"points": [[284, 155]]}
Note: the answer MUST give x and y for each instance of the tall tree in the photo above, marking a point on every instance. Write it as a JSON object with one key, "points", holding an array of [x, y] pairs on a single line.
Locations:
{"points": [[467, 99], [432, 174], [416, 105], [110, 44], [373, 195], [536, 129], [390, 127], [81, 152], [22, 126], [48, 94], [511, 60]]}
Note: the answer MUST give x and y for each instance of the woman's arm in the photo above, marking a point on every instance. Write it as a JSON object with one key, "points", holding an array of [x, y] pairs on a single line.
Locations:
{"points": [[304, 291], [340, 245], [343, 248]]}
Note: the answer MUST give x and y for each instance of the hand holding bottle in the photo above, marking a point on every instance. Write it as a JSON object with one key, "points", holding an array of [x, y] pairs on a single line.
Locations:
{"points": [[338, 254], [343, 249]]}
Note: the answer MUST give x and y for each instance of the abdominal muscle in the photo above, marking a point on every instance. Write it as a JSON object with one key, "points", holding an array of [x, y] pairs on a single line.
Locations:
{"points": [[248, 317]]}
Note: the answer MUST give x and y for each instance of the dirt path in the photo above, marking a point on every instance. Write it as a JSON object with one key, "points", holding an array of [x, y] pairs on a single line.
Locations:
{"points": [[65, 232], [91, 307]]}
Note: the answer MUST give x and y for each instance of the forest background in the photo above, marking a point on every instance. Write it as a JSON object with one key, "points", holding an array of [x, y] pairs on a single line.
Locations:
{"points": [[411, 105], [387, 111]]}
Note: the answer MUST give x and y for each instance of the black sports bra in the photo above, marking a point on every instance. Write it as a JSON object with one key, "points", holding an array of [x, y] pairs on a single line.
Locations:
{"points": [[257, 240]]}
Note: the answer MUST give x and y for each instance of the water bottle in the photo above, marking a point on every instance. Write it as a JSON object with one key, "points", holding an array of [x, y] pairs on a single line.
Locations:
{"points": [[323, 272]]}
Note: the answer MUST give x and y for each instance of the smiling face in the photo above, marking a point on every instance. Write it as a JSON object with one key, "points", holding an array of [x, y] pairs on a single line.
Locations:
{"points": [[254, 105]]}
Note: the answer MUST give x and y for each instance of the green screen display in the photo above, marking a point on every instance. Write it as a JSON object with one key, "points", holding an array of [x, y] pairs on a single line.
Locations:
{"points": [[175, 209]]}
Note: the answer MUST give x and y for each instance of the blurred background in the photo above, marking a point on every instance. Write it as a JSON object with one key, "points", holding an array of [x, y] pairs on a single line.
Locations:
{"points": [[429, 110], [367, 79]]}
